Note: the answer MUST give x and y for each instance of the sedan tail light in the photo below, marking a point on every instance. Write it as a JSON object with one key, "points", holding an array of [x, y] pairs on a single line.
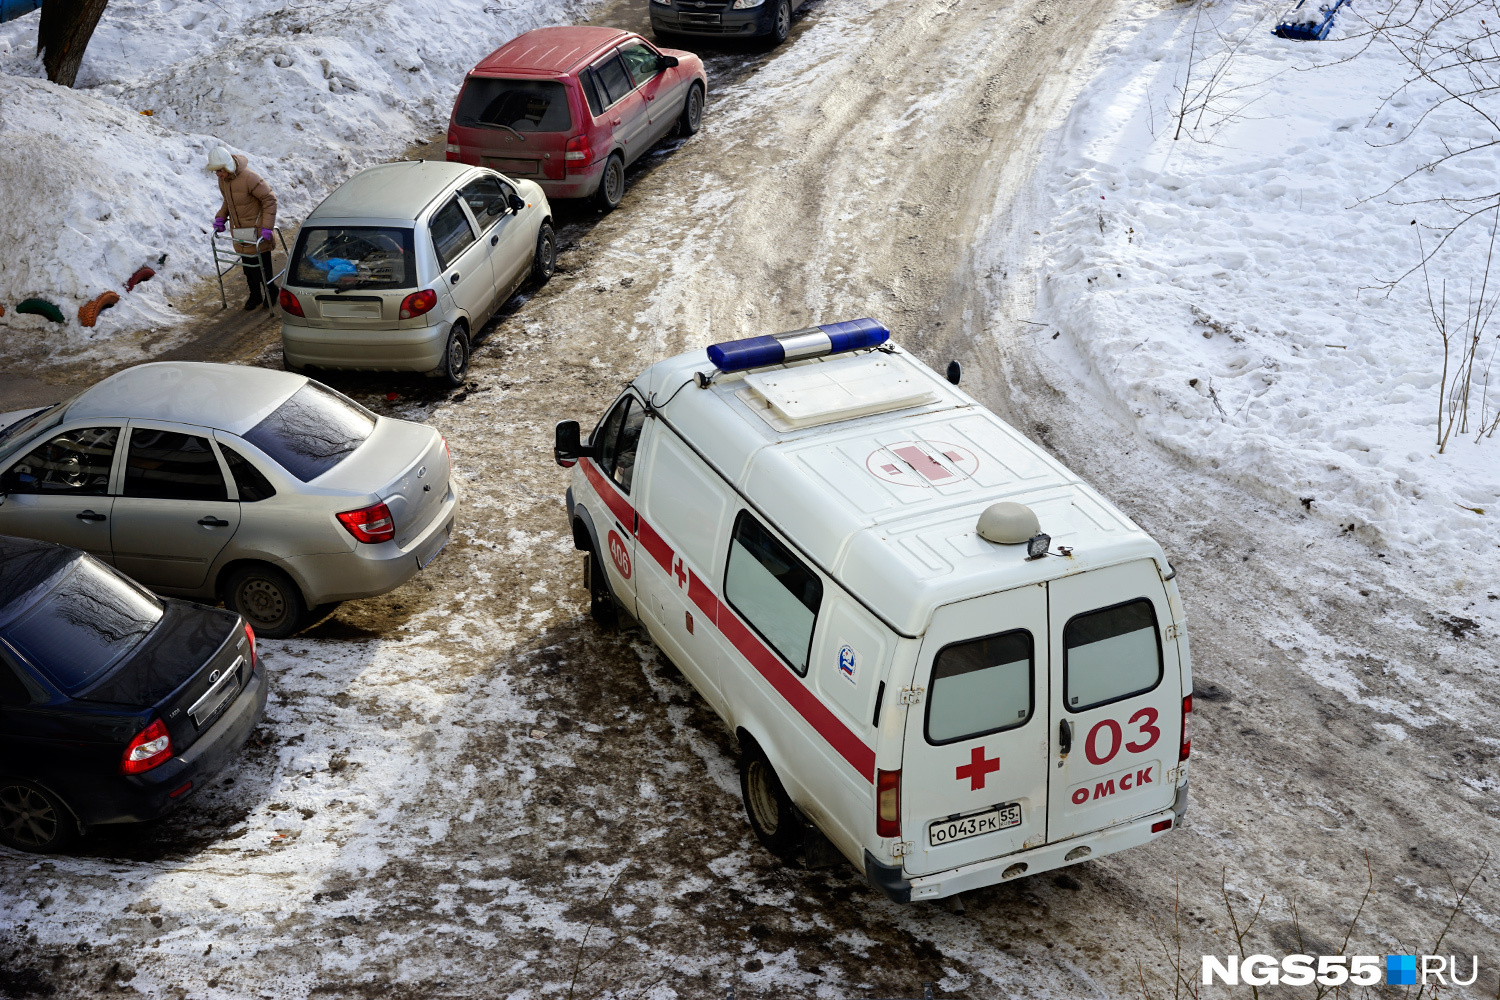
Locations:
{"points": [[1187, 714], [370, 524], [289, 303], [250, 636], [151, 747], [888, 804], [577, 150], [418, 303]]}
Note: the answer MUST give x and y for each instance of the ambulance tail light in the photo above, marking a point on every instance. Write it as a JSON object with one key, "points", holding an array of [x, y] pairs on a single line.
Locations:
{"points": [[888, 804], [812, 342], [1187, 714]]}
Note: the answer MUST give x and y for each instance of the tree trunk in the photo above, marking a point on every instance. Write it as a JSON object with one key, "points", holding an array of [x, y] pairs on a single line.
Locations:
{"points": [[67, 26]]}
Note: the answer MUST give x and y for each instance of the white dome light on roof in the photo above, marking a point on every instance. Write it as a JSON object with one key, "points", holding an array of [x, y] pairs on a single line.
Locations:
{"points": [[812, 342]]}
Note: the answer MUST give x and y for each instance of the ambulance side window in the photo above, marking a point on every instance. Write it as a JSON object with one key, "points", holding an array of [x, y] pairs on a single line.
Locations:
{"points": [[617, 437], [980, 687], [772, 590], [1111, 654]]}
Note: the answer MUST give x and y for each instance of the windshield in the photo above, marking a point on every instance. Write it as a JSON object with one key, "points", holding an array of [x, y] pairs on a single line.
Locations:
{"points": [[16, 434], [89, 621], [524, 105], [354, 257], [312, 431]]}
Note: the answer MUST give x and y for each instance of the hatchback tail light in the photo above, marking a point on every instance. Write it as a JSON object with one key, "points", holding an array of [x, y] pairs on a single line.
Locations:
{"points": [[451, 150], [418, 303], [289, 303], [577, 150], [250, 637], [370, 524], [151, 747], [888, 804], [1187, 714]]}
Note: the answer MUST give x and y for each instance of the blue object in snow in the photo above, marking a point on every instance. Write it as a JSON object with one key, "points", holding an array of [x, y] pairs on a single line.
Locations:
{"points": [[1309, 20], [12, 9]]}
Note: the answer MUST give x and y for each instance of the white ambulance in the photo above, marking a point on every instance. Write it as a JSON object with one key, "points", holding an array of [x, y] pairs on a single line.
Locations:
{"points": [[933, 642]]}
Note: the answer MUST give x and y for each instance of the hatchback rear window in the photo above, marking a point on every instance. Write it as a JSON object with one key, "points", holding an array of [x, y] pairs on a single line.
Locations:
{"points": [[312, 431], [346, 257], [524, 105], [90, 620]]}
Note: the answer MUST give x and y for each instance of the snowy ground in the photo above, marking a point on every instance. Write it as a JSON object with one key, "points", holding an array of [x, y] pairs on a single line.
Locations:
{"points": [[466, 789], [309, 92]]}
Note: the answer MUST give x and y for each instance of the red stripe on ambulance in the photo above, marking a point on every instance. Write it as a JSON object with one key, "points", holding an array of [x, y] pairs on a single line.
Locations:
{"points": [[849, 746]]}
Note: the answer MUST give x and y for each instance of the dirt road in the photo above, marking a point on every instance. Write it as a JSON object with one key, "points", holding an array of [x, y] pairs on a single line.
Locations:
{"points": [[467, 789]]}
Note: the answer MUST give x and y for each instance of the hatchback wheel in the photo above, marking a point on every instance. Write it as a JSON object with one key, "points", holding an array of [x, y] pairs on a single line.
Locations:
{"points": [[776, 822], [611, 184], [692, 112], [267, 599], [32, 819], [455, 357], [544, 263]]}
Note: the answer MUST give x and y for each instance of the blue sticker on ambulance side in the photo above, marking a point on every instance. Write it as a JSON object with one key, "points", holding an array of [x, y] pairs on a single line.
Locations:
{"points": [[849, 663]]}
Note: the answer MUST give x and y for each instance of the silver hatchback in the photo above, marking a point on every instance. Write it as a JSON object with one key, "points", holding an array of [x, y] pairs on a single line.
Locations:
{"points": [[264, 489]]}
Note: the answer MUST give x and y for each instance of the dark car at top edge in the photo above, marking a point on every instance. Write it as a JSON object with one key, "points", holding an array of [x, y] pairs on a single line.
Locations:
{"points": [[115, 705]]}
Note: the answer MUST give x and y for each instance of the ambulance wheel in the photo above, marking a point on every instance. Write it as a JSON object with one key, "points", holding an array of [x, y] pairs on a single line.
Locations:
{"points": [[601, 602], [774, 819]]}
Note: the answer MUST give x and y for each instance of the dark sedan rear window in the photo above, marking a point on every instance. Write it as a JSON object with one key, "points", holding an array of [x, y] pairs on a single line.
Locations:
{"points": [[312, 431], [524, 105], [89, 621]]}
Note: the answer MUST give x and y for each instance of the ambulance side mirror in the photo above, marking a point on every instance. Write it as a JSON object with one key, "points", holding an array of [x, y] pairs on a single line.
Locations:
{"points": [[568, 447], [955, 372]]}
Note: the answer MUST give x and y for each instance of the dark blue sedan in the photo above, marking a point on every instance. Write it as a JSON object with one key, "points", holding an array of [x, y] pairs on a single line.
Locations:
{"points": [[114, 704]]}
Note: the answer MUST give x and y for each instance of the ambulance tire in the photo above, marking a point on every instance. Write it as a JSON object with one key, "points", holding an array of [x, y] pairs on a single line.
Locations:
{"points": [[773, 817], [601, 602]]}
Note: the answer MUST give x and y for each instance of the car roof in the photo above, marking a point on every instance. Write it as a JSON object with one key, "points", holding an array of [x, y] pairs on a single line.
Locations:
{"points": [[396, 191], [551, 50], [888, 502], [29, 564], [231, 398]]}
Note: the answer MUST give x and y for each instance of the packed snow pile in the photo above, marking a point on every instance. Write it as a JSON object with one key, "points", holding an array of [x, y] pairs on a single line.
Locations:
{"points": [[1221, 265], [104, 178]]}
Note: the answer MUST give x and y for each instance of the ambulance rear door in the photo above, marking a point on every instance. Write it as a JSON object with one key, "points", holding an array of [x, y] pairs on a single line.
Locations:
{"points": [[974, 764], [1117, 705]]}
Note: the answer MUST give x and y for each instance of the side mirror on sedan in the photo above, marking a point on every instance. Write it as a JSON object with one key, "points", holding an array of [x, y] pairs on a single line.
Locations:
{"points": [[517, 203], [569, 447], [667, 62]]}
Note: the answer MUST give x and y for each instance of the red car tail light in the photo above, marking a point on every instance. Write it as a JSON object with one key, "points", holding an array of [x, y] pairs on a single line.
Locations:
{"points": [[151, 746], [451, 150], [1187, 744], [370, 524], [1158, 827], [577, 150], [289, 303], [250, 637], [418, 303], [888, 804]]}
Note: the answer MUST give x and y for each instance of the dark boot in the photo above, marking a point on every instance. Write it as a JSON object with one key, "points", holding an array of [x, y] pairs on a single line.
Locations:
{"points": [[266, 272], [252, 278]]}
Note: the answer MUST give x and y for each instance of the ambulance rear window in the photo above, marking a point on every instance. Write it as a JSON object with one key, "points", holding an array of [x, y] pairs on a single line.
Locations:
{"points": [[980, 687], [772, 590], [1111, 654]]}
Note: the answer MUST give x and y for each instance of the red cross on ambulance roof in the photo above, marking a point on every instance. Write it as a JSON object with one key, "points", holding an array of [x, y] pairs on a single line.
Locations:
{"points": [[922, 463]]}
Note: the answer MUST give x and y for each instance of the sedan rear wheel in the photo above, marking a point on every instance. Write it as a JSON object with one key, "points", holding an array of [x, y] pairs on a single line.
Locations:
{"points": [[32, 819], [267, 599]]}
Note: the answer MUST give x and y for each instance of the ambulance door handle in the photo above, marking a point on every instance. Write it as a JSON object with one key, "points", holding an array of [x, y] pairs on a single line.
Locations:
{"points": [[622, 528], [1064, 738]]}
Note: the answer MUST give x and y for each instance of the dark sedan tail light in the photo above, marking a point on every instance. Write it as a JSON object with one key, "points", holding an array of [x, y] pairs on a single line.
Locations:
{"points": [[250, 637], [151, 747], [370, 524]]}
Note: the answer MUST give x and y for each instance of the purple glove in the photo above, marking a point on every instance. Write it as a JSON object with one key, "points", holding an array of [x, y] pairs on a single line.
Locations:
{"points": [[219, 223], [265, 234]]}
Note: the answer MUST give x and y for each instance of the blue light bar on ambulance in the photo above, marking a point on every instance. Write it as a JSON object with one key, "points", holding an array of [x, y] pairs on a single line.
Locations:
{"points": [[813, 342]]}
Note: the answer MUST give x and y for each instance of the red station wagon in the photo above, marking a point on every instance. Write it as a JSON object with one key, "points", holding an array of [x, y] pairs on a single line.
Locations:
{"points": [[572, 107]]}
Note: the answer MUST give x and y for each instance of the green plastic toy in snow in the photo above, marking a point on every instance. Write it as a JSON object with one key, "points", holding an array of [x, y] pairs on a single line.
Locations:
{"points": [[41, 307]]}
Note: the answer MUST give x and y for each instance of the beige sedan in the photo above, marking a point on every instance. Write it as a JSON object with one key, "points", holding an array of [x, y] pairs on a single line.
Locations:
{"points": [[264, 489]]}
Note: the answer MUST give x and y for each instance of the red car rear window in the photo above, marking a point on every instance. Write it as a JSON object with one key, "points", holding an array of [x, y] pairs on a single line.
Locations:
{"points": [[522, 105]]}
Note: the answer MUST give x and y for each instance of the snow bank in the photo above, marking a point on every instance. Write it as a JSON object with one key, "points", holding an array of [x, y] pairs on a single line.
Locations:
{"points": [[1216, 288], [309, 92]]}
